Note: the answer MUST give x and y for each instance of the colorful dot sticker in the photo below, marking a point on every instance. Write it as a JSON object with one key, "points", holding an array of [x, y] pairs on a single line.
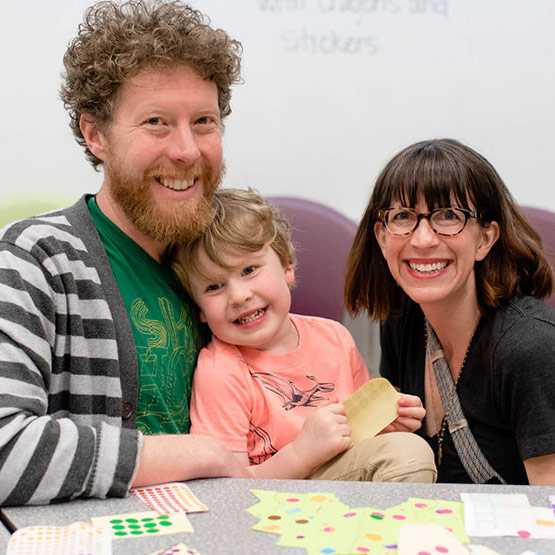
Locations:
{"points": [[143, 524], [138, 527], [377, 516]]}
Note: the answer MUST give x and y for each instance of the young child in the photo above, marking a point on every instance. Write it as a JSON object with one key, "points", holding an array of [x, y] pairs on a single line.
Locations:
{"points": [[270, 383]]}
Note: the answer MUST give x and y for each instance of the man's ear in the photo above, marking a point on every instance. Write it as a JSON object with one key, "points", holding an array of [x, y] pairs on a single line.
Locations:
{"points": [[489, 235], [93, 135]]}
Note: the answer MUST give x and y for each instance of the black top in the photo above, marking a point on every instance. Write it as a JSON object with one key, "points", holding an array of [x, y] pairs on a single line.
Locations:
{"points": [[506, 388]]}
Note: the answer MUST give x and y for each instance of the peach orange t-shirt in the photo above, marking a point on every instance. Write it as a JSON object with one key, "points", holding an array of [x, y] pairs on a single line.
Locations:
{"points": [[256, 402]]}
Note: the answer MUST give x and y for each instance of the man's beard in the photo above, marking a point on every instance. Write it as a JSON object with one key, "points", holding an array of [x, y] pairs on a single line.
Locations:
{"points": [[176, 222]]}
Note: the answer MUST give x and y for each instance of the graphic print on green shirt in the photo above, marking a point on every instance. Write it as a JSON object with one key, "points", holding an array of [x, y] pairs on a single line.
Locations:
{"points": [[166, 328]]}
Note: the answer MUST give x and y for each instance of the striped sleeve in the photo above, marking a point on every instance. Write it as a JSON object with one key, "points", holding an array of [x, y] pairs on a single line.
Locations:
{"points": [[60, 393]]}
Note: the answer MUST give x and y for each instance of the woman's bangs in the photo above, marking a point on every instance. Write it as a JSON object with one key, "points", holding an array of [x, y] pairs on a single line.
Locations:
{"points": [[436, 179]]}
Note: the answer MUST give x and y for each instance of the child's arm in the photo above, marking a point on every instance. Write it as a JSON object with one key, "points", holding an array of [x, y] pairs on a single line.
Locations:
{"points": [[325, 433]]}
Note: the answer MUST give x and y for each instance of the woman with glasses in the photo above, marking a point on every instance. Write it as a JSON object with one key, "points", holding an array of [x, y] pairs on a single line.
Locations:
{"points": [[446, 260]]}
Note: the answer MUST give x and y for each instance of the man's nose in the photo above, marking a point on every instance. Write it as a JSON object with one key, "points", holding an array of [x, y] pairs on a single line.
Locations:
{"points": [[183, 145]]}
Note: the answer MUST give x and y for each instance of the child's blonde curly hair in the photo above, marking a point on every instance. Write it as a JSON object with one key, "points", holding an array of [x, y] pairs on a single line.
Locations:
{"points": [[243, 221]]}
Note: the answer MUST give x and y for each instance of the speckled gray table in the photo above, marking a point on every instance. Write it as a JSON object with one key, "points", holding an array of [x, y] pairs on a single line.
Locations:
{"points": [[225, 529]]}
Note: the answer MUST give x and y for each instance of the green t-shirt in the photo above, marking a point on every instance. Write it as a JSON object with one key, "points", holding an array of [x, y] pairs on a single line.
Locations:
{"points": [[166, 328]]}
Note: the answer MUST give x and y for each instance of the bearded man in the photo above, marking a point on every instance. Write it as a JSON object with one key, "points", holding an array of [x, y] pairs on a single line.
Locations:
{"points": [[98, 343]]}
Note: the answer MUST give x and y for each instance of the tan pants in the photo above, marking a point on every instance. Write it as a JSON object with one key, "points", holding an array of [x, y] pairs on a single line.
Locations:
{"points": [[393, 457]]}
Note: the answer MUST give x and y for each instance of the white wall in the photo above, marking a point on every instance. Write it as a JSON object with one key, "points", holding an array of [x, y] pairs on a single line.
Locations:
{"points": [[332, 89]]}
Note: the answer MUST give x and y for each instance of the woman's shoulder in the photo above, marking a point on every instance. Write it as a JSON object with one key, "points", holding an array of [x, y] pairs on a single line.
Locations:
{"points": [[523, 325], [522, 310]]}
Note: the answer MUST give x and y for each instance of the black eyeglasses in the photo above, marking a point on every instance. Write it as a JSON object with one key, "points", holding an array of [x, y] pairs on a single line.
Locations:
{"points": [[444, 221]]}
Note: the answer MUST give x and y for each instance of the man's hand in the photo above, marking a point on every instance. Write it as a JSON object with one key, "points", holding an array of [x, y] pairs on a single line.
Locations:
{"points": [[410, 413], [324, 434]]}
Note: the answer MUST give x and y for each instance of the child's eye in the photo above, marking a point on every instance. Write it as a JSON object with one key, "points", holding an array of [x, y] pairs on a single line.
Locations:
{"points": [[248, 270], [213, 287]]}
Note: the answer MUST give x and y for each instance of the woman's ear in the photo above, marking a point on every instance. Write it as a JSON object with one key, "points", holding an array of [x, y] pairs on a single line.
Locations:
{"points": [[489, 235], [379, 233], [93, 135]]}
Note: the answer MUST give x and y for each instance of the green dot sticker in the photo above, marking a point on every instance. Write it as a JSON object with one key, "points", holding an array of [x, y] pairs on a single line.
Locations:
{"points": [[137, 525]]}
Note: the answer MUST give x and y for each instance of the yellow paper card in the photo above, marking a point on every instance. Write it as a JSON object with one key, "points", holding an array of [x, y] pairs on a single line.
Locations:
{"points": [[371, 408]]}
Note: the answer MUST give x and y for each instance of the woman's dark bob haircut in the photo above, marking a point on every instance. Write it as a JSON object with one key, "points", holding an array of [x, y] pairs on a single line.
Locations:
{"points": [[445, 172]]}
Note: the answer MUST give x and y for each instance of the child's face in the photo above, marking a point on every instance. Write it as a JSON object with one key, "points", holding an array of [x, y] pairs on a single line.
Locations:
{"points": [[247, 304]]}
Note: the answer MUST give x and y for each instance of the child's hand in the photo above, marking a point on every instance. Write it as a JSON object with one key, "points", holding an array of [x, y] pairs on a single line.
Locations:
{"points": [[410, 413], [324, 434]]}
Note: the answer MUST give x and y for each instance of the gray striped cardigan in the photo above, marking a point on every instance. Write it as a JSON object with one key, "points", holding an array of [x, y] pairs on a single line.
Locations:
{"points": [[67, 364]]}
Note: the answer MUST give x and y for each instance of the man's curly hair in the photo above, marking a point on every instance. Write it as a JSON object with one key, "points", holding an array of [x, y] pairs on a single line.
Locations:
{"points": [[118, 40]]}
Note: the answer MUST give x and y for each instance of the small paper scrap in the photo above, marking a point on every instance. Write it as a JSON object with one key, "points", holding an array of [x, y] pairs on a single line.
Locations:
{"points": [[139, 525], [177, 549], [79, 537], [415, 539], [371, 408], [170, 498], [497, 514]]}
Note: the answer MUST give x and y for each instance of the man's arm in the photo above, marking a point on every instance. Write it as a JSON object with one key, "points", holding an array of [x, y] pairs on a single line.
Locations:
{"points": [[169, 458], [60, 434]]}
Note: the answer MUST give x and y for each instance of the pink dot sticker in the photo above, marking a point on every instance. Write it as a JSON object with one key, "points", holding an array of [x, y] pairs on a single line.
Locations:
{"points": [[444, 511], [349, 515], [399, 517], [362, 549], [329, 529], [424, 553], [524, 533], [441, 549], [292, 500], [420, 505]]}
